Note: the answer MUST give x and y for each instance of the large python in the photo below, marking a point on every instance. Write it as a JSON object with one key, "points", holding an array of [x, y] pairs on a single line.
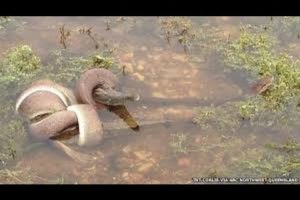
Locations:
{"points": [[54, 110]]}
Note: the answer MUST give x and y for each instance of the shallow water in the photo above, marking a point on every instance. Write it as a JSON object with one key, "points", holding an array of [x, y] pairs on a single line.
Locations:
{"points": [[170, 84]]}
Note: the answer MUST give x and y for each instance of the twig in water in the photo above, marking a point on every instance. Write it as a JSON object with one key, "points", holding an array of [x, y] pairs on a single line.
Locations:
{"points": [[88, 32], [64, 35]]}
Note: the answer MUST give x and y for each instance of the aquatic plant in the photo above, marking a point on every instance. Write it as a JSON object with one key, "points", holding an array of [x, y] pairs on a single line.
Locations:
{"points": [[18, 68], [10, 23], [11, 140], [21, 175], [251, 51], [287, 29], [21, 59], [64, 35], [15, 176], [101, 61], [4, 20], [289, 146], [273, 161], [68, 67], [178, 143], [262, 167], [248, 109], [120, 24], [180, 28], [223, 117], [19, 65], [255, 53], [200, 38]]}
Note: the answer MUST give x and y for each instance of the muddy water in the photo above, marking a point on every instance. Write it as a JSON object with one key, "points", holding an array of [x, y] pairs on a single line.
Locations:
{"points": [[170, 86]]}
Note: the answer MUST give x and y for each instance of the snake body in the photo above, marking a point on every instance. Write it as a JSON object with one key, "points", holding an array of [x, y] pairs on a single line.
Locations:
{"points": [[91, 79], [55, 110]]}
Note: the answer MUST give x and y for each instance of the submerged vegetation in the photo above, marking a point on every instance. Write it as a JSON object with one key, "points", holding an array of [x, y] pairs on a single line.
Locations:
{"points": [[178, 27], [18, 66], [4, 20], [68, 67], [8, 23], [285, 28], [179, 143], [224, 118], [272, 161], [120, 24], [20, 175], [197, 40], [12, 135], [256, 52]]}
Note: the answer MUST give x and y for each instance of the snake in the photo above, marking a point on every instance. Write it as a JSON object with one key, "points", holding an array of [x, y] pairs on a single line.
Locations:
{"points": [[54, 110]]}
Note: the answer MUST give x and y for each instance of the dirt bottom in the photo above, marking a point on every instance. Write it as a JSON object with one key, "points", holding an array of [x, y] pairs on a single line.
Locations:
{"points": [[168, 148]]}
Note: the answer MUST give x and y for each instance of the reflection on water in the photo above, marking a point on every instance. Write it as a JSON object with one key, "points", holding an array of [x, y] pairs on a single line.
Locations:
{"points": [[154, 140]]}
